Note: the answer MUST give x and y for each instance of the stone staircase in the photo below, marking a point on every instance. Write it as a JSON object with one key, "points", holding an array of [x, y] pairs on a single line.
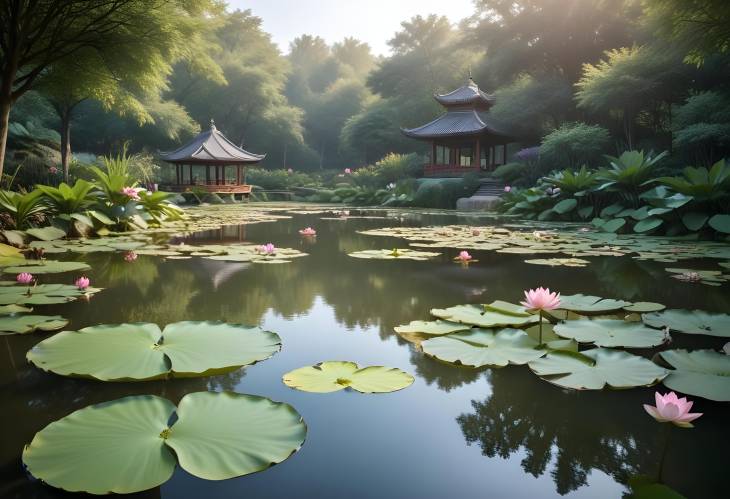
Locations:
{"points": [[485, 197]]}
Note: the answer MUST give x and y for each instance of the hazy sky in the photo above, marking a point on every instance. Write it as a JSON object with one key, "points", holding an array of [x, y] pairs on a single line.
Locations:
{"points": [[372, 21]]}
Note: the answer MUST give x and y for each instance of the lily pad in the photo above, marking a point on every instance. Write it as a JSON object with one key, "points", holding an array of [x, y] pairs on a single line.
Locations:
{"points": [[478, 315], [690, 322], [484, 347], [22, 324], [394, 254], [559, 262], [703, 373], [597, 368], [127, 445], [431, 328], [332, 376], [642, 307], [47, 267], [140, 351], [610, 333], [49, 233], [42, 294], [590, 304]]}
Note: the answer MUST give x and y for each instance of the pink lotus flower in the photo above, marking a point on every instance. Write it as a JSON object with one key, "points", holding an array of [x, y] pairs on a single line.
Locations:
{"points": [[671, 409], [131, 193], [130, 256], [24, 278], [464, 256], [308, 232], [82, 283], [475, 232], [289, 170], [267, 249], [541, 299], [507, 188], [53, 170], [348, 171]]}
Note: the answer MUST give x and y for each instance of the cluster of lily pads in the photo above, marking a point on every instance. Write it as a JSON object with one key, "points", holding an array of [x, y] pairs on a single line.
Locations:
{"points": [[575, 242], [582, 344], [131, 444]]}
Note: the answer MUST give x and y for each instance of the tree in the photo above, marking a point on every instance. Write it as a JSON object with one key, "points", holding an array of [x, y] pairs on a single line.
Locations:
{"points": [[35, 35], [702, 127], [631, 80], [702, 27], [573, 144]]}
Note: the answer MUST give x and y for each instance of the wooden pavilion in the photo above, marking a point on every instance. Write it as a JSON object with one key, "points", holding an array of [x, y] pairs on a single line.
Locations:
{"points": [[464, 139], [202, 163]]}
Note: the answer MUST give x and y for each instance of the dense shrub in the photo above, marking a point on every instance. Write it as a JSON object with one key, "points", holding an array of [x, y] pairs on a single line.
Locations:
{"points": [[572, 145], [390, 169], [510, 173], [278, 180]]}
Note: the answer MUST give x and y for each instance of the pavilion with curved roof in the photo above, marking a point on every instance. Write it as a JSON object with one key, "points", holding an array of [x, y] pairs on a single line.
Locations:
{"points": [[465, 138], [202, 163]]}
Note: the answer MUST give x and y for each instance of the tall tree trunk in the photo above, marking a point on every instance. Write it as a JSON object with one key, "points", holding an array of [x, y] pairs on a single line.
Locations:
{"points": [[5, 105], [65, 141]]}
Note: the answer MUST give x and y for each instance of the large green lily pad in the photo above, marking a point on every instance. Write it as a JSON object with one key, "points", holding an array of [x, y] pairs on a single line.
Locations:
{"points": [[703, 373], [431, 328], [590, 304], [610, 333], [478, 315], [42, 294], [127, 445], [690, 322], [485, 347], [140, 351], [47, 267], [22, 323], [394, 254], [597, 368], [332, 376]]}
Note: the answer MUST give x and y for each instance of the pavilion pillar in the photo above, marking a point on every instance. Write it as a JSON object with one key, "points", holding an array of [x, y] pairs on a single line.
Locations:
{"points": [[433, 152], [217, 174], [478, 155], [238, 174], [504, 154], [207, 174], [190, 169]]}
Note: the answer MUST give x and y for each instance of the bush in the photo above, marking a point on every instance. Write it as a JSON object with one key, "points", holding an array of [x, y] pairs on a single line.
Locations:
{"points": [[279, 180], [510, 173], [572, 145], [390, 169]]}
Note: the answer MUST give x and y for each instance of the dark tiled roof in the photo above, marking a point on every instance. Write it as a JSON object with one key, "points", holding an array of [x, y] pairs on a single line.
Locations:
{"points": [[455, 123], [211, 147], [468, 94]]}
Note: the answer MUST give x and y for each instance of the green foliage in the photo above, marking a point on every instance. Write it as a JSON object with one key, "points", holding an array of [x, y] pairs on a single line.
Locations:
{"points": [[390, 169], [276, 180], [574, 144], [510, 172], [702, 184], [23, 209], [702, 126], [157, 207], [629, 172], [572, 182], [67, 200]]}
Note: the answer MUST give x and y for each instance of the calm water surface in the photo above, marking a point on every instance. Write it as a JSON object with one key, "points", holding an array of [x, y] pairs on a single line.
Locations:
{"points": [[456, 432]]}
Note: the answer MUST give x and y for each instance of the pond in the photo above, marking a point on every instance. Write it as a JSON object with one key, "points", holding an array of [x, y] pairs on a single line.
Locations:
{"points": [[456, 432]]}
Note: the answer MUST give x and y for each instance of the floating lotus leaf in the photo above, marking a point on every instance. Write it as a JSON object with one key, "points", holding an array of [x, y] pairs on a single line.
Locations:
{"points": [[46, 267], [690, 322], [13, 309], [127, 445], [49, 233], [559, 262], [484, 347], [478, 315], [508, 308], [431, 328], [709, 277], [590, 304], [22, 324], [597, 368], [42, 294], [393, 254], [332, 376], [140, 351], [703, 373], [610, 333], [642, 307]]}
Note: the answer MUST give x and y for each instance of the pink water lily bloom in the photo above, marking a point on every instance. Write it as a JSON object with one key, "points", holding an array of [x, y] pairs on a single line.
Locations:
{"points": [[130, 256], [671, 409], [541, 299], [308, 232], [348, 171], [82, 283], [24, 278], [131, 193], [464, 256], [267, 249], [507, 188]]}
